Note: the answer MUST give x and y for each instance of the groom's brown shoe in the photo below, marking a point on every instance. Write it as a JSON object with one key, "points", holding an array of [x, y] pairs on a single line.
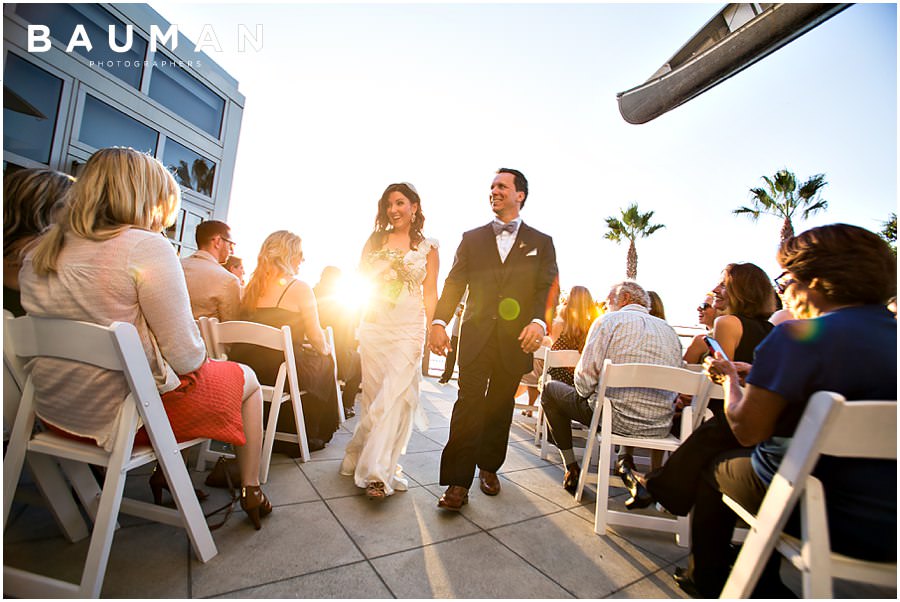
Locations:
{"points": [[454, 498], [490, 484]]}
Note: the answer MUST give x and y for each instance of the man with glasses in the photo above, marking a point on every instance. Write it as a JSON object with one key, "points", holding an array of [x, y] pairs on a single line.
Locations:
{"points": [[214, 291]]}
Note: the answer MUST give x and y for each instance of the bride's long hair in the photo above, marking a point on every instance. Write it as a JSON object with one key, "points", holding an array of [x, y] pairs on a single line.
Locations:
{"points": [[383, 224], [275, 261]]}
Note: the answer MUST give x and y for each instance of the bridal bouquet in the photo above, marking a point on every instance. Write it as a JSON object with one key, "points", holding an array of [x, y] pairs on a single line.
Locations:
{"points": [[390, 274]]}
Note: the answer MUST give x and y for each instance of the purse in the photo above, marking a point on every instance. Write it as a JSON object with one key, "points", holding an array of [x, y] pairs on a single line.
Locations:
{"points": [[226, 474]]}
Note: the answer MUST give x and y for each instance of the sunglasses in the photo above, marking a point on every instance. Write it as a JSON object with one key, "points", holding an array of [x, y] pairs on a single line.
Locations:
{"points": [[704, 306], [783, 282]]}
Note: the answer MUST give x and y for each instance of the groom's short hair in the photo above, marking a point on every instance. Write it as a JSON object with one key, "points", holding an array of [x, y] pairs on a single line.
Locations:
{"points": [[519, 179]]}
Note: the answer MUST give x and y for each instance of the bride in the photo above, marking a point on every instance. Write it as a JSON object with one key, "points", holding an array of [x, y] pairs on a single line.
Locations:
{"points": [[403, 267]]}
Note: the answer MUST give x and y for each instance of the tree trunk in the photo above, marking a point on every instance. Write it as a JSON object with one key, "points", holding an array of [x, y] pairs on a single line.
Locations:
{"points": [[787, 230], [631, 264]]}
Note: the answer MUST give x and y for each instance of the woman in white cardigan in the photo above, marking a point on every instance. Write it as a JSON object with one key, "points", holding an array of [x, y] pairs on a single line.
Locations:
{"points": [[107, 261]]}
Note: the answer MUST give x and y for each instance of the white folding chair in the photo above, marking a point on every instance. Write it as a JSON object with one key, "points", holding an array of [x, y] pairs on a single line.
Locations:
{"points": [[829, 426], [45, 471], [553, 358], [329, 340], [117, 348], [668, 378], [278, 339]]}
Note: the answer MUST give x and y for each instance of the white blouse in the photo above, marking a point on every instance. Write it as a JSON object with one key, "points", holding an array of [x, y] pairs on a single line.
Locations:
{"points": [[136, 278]]}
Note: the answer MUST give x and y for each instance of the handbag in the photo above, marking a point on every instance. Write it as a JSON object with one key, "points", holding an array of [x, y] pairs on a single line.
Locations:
{"points": [[226, 474]]}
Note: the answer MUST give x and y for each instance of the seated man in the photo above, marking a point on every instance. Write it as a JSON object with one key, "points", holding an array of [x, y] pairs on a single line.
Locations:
{"points": [[627, 333], [214, 291]]}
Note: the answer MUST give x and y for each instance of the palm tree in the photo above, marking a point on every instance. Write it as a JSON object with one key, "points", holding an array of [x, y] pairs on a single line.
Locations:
{"points": [[633, 224], [782, 198], [889, 232]]}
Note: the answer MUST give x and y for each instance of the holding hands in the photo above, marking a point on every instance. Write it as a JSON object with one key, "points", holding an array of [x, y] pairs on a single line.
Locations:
{"points": [[438, 341]]}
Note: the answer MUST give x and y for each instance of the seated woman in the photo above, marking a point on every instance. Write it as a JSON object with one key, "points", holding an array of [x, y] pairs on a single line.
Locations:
{"points": [[105, 261], [823, 283], [32, 198], [706, 316], [274, 296], [746, 298]]}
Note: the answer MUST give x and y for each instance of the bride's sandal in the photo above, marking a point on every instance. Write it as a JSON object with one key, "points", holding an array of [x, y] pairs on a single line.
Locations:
{"points": [[375, 490]]}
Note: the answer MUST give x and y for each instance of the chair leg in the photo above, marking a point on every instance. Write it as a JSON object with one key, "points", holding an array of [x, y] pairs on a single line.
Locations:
{"points": [[15, 457], [602, 486], [104, 529], [268, 441], [186, 501], [59, 498], [82, 479]]}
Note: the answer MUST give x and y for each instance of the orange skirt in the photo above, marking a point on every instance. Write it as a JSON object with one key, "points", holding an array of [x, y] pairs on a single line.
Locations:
{"points": [[207, 404]]}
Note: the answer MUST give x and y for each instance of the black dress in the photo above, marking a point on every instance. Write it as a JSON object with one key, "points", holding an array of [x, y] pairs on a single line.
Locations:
{"points": [[675, 484], [315, 373]]}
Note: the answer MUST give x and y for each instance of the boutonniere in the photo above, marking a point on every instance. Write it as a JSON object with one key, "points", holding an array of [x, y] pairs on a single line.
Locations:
{"points": [[521, 245]]}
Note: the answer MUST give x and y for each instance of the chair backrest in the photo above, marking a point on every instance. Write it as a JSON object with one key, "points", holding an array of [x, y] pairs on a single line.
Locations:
{"points": [[834, 427], [13, 376], [558, 358], [227, 333], [116, 347]]}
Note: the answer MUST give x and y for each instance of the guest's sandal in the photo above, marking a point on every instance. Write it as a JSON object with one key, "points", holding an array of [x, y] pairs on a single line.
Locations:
{"points": [[375, 490]]}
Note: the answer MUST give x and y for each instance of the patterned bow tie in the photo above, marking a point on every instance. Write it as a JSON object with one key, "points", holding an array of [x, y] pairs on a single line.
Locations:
{"points": [[500, 227]]}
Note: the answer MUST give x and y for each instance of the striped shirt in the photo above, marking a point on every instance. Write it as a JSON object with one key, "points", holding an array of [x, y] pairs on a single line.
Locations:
{"points": [[630, 335]]}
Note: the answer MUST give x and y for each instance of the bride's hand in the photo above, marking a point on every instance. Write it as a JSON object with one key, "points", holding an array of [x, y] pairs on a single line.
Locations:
{"points": [[438, 341]]}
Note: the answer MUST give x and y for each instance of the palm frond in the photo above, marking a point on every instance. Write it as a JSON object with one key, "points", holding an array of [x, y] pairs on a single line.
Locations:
{"points": [[815, 208], [748, 211]]}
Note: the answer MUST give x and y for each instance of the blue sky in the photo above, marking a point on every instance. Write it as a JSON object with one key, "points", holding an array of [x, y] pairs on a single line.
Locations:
{"points": [[344, 99]]}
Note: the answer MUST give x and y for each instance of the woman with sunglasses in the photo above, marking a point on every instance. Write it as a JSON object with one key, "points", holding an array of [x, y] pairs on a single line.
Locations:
{"points": [[706, 315], [846, 342]]}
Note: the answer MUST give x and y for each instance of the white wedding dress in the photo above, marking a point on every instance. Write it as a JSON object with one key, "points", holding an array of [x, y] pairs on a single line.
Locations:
{"points": [[391, 340]]}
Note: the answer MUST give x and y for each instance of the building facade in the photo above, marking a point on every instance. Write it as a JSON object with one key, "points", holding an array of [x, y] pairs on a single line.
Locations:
{"points": [[88, 76]]}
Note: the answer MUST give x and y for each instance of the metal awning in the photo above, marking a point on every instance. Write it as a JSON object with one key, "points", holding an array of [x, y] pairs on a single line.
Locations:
{"points": [[735, 38]]}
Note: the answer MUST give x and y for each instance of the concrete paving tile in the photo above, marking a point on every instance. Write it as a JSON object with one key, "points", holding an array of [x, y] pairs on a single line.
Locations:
{"points": [[288, 485], [513, 504], [334, 449], [519, 459], [145, 561], [564, 546], [405, 520], [546, 481], [458, 569], [438, 419], [658, 585], [327, 480], [419, 442], [355, 581], [439, 435], [293, 541], [423, 467]]}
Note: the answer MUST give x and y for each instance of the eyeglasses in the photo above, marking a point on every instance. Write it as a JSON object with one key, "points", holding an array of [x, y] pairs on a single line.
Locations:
{"points": [[783, 282], [231, 242], [704, 306]]}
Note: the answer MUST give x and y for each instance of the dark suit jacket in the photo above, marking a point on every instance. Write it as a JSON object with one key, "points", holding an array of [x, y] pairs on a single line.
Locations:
{"points": [[505, 296]]}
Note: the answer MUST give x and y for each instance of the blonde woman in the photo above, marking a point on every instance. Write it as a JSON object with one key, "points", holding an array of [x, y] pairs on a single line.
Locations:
{"points": [[403, 266], [275, 296], [106, 261]]}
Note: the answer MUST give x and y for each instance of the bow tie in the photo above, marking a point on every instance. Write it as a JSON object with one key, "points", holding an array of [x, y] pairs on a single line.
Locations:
{"points": [[500, 227]]}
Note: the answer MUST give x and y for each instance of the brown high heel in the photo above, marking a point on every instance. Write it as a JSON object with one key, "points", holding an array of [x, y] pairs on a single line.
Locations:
{"points": [[158, 482], [255, 503]]}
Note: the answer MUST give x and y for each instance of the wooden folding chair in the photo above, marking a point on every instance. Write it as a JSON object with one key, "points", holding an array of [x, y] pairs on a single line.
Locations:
{"points": [[553, 358], [829, 426], [55, 492], [279, 339], [650, 376], [117, 348]]}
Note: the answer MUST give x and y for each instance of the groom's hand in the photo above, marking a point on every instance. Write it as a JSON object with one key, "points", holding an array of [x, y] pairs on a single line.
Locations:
{"points": [[531, 337], [438, 341]]}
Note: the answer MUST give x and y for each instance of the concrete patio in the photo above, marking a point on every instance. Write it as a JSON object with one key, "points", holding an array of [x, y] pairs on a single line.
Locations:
{"points": [[326, 540]]}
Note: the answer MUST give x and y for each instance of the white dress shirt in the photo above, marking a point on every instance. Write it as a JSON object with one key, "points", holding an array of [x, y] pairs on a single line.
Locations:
{"points": [[505, 239]]}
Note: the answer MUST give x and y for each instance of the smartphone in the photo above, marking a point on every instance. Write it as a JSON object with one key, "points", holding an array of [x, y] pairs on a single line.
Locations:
{"points": [[713, 346]]}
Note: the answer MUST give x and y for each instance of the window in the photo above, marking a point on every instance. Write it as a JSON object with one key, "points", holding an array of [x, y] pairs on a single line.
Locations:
{"points": [[182, 93], [189, 168], [30, 105], [103, 126], [62, 19]]}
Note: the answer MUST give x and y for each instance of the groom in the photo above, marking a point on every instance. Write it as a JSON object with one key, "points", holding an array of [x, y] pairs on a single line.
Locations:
{"points": [[510, 271]]}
